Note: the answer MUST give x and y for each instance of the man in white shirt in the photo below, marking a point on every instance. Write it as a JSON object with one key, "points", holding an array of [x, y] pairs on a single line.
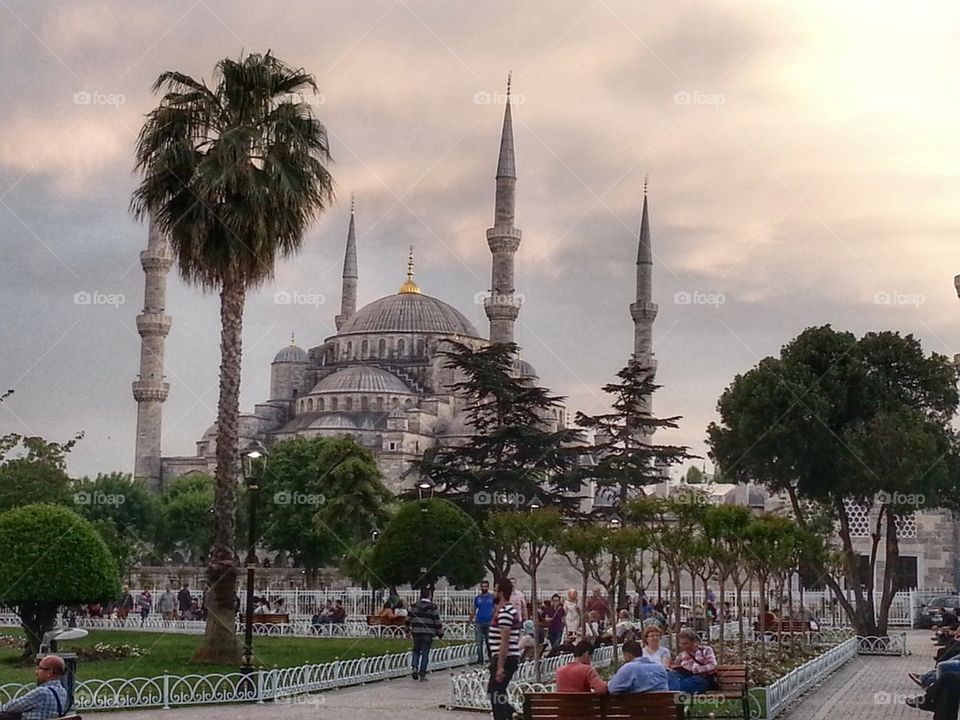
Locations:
{"points": [[518, 600], [571, 618]]}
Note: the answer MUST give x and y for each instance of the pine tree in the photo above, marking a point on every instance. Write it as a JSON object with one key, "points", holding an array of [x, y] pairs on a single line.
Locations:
{"points": [[626, 457], [514, 457]]}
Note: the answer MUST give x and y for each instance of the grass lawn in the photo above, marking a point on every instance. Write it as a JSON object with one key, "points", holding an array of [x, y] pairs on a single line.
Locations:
{"points": [[171, 653]]}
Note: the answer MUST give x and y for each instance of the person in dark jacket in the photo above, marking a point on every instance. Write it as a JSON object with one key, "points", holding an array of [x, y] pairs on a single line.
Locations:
{"points": [[185, 602], [423, 624]]}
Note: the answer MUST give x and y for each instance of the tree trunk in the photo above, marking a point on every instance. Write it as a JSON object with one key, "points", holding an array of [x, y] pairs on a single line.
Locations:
{"points": [[220, 639], [740, 633], [583, 603], [536, 618], [36, 619], [889, 588], [722, 615]]}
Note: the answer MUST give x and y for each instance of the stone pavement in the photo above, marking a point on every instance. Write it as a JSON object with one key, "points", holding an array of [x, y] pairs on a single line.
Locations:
{"points": [[869, 687], [866, 688]]}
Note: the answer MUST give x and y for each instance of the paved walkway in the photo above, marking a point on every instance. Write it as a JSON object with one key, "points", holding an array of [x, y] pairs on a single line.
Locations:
{"points": [[866, 688], [869, 687], [400, 699]]}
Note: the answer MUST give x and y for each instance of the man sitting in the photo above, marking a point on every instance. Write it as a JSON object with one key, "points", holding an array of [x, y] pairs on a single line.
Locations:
{"points": [[637, 674], [580, 675], [695, 667], [47, 700]]}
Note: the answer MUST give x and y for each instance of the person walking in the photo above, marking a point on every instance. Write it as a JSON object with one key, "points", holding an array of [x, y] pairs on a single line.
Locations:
{"points": [[184, 602], [504, 651], [481, 616], [571, 619], [167, 604], [125, 605], [423, 622], [144, 604]]}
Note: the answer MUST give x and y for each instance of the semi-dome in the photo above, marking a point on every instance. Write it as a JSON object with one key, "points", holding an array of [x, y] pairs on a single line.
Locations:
{"points": [[361, 378], [409, 312]]}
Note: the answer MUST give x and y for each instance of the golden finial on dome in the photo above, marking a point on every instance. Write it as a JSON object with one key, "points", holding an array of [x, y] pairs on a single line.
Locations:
{"points": [[410, 286], [293, 339]]}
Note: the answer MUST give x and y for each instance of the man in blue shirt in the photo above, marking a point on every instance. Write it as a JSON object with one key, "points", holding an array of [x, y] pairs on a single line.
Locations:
{"points": [[482, 616], [637, 674], [47, 700]]}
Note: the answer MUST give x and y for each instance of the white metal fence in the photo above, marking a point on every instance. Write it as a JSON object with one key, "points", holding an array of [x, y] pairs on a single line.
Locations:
{"points": [[165, 691]]}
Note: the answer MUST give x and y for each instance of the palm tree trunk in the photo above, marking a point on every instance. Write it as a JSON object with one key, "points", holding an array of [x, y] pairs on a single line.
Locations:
{"points": [[220, 639]]}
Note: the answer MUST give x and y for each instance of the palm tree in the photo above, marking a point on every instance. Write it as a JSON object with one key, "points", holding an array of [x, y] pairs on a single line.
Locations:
{"points": [[233, 174]]}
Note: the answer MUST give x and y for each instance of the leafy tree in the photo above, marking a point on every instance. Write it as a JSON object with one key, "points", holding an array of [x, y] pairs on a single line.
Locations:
{"points": [[582, 545], [836, 420], [427, 540], [183, 518], [233, 174], [693, 476], [119, 498], [122, 510], [513, 455], [25, 482], [319, 498], [620, 545], [33, 470], [51, 557], [725, 526], [529, 535]]}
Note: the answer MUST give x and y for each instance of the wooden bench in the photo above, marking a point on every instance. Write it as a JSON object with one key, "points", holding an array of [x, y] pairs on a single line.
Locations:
{"points": [[731, 683], [584, 706], [375, 621], [271, 619], [785, 626]]}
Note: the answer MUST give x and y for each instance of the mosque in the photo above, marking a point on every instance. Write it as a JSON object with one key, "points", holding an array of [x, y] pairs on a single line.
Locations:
{"points": [[381, 379]]}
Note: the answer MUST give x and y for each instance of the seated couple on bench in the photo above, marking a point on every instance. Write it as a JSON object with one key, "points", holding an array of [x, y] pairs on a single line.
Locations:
{"points": [[694, 670], [46, 701]]}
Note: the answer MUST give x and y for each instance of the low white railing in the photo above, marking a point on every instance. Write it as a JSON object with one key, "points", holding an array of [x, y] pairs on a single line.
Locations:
{"points": [[295, 628], [166, 691], [783, 690], [468, 690]]}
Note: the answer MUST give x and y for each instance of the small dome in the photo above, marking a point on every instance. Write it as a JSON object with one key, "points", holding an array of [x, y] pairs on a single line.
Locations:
{"points": [[525, 369], [291, 354], [409, 312], [361, 378]]}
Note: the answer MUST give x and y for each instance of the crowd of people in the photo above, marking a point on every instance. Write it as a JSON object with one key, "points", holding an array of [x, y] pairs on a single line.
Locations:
{"points": [[171, 604]]}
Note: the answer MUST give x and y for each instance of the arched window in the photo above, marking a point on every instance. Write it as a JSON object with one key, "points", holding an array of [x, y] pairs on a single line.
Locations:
{"points": [[408, 403], [310, 405], [379, 403], [350, 349], [363, 349], [320, 403], [349, 403], [421, 348], [364, 403], [334, 403], [400, 347], [382, 348], [395, 402]]}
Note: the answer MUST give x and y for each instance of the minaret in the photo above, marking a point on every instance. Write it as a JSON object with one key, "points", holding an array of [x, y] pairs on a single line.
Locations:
{"points": [[348, 297], [502, 306], [644, 310], [149, 390]]}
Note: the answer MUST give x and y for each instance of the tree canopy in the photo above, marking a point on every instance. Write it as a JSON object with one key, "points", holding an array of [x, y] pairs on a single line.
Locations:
{"points": [[51, 557]]}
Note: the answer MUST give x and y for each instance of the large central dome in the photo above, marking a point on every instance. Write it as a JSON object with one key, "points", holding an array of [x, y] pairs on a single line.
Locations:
{"points": [[409, 312]]}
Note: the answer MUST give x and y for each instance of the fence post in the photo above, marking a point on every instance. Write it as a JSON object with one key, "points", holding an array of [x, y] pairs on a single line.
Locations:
{"points": [[166, 691]]}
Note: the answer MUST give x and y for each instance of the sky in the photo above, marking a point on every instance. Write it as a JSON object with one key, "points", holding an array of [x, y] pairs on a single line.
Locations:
{"points": [[801, 157]]}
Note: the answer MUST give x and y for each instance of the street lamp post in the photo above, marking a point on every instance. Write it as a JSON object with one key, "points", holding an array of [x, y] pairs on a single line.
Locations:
{"points": [[251, 455], [425, 488]]}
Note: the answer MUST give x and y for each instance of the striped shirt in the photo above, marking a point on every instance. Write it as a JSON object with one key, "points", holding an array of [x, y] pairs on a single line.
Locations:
{"points": [[506, 617]]}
